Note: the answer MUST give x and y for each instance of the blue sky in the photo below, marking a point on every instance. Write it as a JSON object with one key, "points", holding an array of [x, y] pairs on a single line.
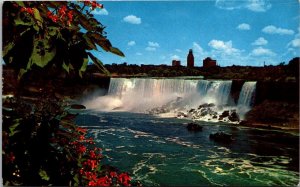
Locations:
{"points": [[240, 32]]}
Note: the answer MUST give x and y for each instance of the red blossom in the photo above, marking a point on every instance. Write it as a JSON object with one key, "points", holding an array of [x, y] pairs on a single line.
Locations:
{"points": [[82, 130], [92, 183], [81, 171], [81, 149], [103, 181], [113, 174], [92, 154], [11, 157], [28, 10], [70, 15], [81, 138], [124, 179], [62, 10]]}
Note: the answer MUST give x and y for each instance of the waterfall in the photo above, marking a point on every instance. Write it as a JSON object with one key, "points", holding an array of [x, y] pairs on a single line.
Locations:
{"points": [[247, 94], [216, 92], [197, 99], [150, 87]]}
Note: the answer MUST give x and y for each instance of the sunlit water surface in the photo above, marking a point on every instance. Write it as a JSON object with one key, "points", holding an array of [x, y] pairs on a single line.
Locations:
{"points": [[160, 151]]}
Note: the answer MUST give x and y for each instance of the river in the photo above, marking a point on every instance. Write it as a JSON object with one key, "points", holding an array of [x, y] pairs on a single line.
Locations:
{"points": [[161, 151]]}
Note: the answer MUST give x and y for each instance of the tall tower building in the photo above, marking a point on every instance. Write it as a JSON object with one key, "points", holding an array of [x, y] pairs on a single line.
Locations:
{"points": [[190, 59]]}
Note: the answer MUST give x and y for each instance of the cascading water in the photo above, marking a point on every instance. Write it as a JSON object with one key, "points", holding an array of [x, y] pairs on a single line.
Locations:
{"points": [[247, 94], [216, 92], [208, 99], [150, 87], [246, 98]]}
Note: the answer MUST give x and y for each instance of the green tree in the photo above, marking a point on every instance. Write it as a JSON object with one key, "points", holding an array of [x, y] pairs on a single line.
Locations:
{"points": [[53, 34], [41, 143]]}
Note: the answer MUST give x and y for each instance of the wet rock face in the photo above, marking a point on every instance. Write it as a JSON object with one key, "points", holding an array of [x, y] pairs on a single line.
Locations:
{"points": [[194, 127], [206, 105], [77, 106], [206, 111], [221, 137], [210, 112], [181, 115], [234, 117]]}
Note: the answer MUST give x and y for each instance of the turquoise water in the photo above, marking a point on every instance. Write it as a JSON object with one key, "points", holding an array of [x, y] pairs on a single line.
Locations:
{"points": [[160, 151]]}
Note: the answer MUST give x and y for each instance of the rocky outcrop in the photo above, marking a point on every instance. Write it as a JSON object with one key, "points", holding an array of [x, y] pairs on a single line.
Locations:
{"points": [[194, 127], [274, 114], [221, 137]]}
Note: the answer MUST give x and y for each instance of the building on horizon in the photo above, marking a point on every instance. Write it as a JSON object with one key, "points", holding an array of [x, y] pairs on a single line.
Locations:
{"points": [[209, 62], [176, 63], [190, 59]]}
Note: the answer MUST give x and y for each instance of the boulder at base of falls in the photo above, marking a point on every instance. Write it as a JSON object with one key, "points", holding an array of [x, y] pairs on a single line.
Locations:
{"points": [[221, 137], [158, 110], [206, 105], [181, 115], [77, 106], [224, 115], [234, 117], [194, 127]]}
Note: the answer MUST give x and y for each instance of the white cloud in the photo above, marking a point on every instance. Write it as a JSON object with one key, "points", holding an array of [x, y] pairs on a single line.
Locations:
{"points": [[295, 43], [153, 44], [132, 19], [258, 5], [150, 48], [243, 26], [131, 43], [271, 29], [225, 47], [178, 50], [175, 57], [260, 41], [139, 54], [253, 5], [99, 11], [260, 51]]}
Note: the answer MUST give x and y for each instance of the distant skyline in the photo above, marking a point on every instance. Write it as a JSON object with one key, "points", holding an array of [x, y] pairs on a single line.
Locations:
{"points": [[243, 32]]}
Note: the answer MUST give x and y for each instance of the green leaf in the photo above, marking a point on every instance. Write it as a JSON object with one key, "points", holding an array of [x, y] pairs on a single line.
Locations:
{"points": [[10, 45], [89, 42], [20, 3], [37, 17], [21, 73], [25, 20], [84, 21], [100, 40], [12, 129], [99, 64], [66, 67], [52, 31], [7, 48], [96, 36], [75, 178], [117, 51], [43, 52], [83, 67], [43, 175]]}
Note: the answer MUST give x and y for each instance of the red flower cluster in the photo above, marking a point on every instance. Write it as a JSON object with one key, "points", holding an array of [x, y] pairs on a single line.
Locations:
{"points": [[93, 4], [122, 179], [28, 10], [91, 161], [53, 17], [63, 16]]}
